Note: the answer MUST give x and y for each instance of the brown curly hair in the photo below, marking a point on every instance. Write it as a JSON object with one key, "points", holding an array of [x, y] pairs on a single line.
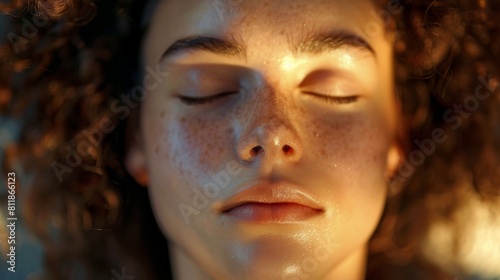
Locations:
{"points": [[64, 62]]}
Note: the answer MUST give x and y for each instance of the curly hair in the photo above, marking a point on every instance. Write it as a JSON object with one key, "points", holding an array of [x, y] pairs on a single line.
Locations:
{"points": [[73, 59]]}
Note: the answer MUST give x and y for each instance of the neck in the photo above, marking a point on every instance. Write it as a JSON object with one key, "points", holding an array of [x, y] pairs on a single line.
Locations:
{"points": [[183, 267], [352, 268]]}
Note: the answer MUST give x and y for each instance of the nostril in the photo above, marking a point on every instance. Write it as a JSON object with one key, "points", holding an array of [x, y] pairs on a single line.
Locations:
{"points": [[287, 150], [255, 150]]}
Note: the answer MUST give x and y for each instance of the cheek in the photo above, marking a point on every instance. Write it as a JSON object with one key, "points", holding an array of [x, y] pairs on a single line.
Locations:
{"points": [[190, 147], [352, 144], [349, 153], [182, 153]]}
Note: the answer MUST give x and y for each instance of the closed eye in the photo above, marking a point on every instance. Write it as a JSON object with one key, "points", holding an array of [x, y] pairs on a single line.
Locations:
{"points": [[193, 101], [334, 99]]}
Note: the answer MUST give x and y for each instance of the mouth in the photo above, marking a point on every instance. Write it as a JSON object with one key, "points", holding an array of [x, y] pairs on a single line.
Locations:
{"points": [[271, 203], [272, 212]]}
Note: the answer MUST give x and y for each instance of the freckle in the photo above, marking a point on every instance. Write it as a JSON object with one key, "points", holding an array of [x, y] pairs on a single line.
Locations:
{"points": [[203, 160], [220, 150], [157, 149], [162, 114], [324, 152], [302, 110]]}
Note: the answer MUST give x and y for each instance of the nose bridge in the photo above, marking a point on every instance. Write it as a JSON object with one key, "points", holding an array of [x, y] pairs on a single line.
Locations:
{"points": [[272, 114], [270, 131], [273, 110]]}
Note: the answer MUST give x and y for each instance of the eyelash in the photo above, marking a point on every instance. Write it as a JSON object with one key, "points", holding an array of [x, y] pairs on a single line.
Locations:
{"points": [[193, 101], [334, 99]]}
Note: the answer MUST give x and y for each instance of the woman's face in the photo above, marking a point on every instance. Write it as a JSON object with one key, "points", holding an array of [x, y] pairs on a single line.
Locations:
{"points": [[267, 145]]}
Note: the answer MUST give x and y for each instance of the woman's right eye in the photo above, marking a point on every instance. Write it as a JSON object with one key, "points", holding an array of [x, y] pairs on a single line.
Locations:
{"points": [[193, 101]]}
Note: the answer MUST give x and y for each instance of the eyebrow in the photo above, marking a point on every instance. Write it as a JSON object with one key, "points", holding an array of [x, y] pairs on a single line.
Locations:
{"points": [[312, 44], [229, 48], [318, 43]]}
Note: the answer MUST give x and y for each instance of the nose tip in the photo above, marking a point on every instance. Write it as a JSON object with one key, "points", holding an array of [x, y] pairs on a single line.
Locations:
{"points": [[271, 142]]}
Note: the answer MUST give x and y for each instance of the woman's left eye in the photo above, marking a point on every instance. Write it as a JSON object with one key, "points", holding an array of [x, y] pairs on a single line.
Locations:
{"points": [[334, 99], [193, 101]]}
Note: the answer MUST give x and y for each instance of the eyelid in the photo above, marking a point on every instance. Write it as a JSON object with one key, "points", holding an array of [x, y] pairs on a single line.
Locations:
{"points": [[192, 101]]}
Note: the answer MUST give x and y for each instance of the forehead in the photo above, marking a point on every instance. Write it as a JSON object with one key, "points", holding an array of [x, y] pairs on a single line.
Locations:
{"points": [[252, 20]]}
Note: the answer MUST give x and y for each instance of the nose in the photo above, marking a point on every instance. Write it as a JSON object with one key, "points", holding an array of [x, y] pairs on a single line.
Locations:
{"points": [[270, 137]]}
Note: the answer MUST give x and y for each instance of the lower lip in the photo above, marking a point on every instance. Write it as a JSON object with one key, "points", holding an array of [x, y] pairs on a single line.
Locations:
{"points": [[272, 212]]}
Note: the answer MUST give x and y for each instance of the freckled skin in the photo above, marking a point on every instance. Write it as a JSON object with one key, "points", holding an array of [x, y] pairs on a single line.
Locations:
{"points": [[338, 152]]}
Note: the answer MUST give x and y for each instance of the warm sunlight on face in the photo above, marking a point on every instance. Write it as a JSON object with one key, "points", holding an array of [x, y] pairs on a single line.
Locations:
{"points": [[267, 146]]}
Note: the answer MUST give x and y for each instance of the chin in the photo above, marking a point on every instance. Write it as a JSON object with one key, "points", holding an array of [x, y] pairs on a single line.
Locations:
{"points": [[275, 256]]}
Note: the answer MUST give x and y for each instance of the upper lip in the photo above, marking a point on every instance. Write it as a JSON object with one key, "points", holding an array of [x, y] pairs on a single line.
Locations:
{"points": [[266, 192]]}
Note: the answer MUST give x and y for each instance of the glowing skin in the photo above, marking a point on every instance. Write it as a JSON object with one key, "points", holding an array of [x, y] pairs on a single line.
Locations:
{"points": [[274, 126]]}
